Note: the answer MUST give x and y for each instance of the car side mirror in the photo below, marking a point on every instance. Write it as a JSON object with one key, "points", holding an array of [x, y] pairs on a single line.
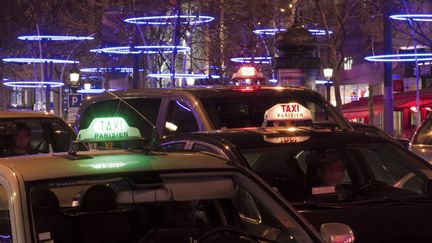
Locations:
{"points": [[405, 142], [336, 233]]}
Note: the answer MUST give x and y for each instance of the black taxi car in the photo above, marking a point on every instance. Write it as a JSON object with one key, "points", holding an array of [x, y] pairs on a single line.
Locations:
{"points": [[182, 110], [371, 183]]}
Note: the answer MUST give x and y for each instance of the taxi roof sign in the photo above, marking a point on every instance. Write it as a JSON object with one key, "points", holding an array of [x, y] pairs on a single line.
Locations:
{"points": [[108, 129], [288, 112]]}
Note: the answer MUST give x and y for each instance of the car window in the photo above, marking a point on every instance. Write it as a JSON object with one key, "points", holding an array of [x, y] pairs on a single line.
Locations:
{"points": [[337, 172], [62, 137], [5, 224], [140, 207], [173, 146], [424, 135], [248, 111], [24, 136], [385, 167], [180, 118]]}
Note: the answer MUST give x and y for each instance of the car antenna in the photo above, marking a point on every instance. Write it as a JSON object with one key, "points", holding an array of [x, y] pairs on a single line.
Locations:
{"points": [[154, 139]]}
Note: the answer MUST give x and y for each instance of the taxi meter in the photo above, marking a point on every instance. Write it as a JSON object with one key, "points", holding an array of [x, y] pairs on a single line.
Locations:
{"points": [[108, 129], [287, 112]]}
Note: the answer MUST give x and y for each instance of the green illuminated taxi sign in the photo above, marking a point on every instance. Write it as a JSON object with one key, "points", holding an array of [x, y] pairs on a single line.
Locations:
{"points": [[108, 129]]}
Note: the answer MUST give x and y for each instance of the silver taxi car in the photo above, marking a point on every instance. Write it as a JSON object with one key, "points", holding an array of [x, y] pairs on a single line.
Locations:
{"points": [[143, 196]]}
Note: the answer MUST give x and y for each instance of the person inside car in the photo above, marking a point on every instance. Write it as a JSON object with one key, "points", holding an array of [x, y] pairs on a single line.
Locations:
{"points": [[21, 140], [331, 170]]}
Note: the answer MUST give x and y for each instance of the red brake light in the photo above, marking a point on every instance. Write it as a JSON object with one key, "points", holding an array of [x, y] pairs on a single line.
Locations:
{"points": [[246, 89]]}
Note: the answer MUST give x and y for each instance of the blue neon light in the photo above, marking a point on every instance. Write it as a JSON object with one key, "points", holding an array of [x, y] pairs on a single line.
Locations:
{"points": [[413, 17], [183, 75], [93, 91], [32, 84], [108, 70], [38, 60], [274, 31], [319, 32], [267, 31], [182, 106], [170, 19], [273, 81], [140, 49], [323, 82], [54, 38], [257, 60], [410, 57]]}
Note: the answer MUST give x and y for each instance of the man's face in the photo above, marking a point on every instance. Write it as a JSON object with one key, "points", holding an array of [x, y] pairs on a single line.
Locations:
{"points": [[22, 140], [333, 173]]}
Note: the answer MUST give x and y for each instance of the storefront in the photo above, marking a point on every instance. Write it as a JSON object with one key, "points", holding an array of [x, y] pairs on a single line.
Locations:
{"points": [[404, 110]]}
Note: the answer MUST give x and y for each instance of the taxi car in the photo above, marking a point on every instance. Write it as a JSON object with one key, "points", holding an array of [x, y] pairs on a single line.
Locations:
{"points": [[39, 132], [369, 182], [421, 142], [142, 196], [180, 110]]}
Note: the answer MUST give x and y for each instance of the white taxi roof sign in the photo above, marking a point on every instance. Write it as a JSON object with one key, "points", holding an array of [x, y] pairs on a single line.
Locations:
{"points": [[108, 129], [288, 112]]}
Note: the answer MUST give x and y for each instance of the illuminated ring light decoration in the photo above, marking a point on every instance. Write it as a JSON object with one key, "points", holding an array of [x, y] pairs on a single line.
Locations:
{"points": [[54, 38], [140, 49], [411, 57], [322, 82], [267, 31], [319, 32], [183, 75], [169, 19], [108, 70], [274, 31], [256, 60], [33, 84], [38, 60], [413, 17], [93, 91]]}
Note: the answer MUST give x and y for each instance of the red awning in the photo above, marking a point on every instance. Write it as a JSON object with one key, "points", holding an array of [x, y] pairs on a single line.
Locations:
{"points": [[401, 101]]}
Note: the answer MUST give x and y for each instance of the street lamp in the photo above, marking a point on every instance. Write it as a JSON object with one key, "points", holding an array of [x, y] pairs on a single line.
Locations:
{"points": [[74, 77], [328, 74]]}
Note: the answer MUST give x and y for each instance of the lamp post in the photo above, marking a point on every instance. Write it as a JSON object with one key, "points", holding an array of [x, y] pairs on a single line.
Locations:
{"points": [[328, 74], [74, 77]]}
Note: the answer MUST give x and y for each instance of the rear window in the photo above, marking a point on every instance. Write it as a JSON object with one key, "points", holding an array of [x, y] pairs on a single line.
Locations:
{"points": [[247, 110]]}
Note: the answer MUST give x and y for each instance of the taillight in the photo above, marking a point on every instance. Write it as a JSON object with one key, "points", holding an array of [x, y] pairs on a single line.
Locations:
{"points": [[246, 89]]}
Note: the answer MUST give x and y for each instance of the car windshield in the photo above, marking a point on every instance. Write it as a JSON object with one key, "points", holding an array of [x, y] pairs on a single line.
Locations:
{"points": [[160, 208], [339, 172], [247, 109], [25, 136], [424, 135]]}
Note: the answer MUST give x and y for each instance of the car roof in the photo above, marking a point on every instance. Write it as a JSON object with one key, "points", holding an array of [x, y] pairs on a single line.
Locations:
{"points": [[218, 91], [60, 165], [26, 114], [258, 137]]}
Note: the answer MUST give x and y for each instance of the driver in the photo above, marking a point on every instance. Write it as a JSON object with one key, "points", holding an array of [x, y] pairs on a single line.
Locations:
{"points": [[21, 140], [331, 170]]}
